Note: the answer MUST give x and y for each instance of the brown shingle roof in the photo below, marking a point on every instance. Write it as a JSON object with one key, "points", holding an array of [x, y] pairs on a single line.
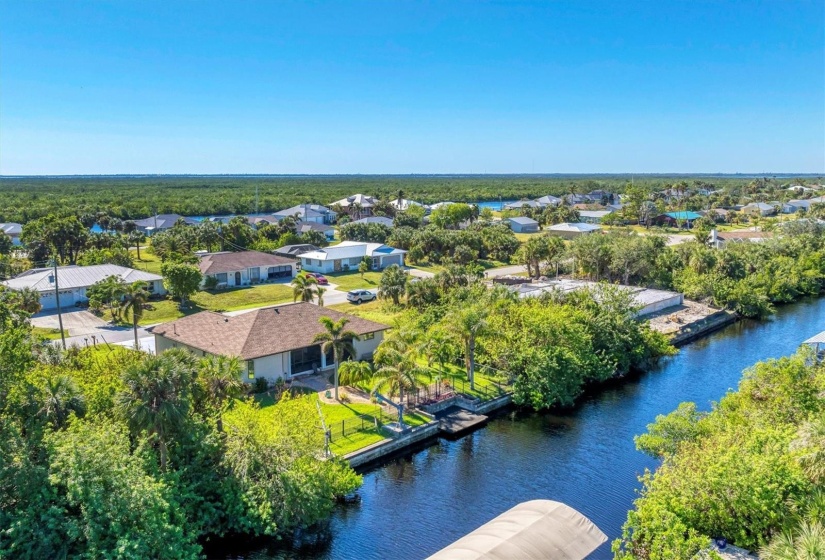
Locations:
{"points": [[262, 332], [213, 263]]}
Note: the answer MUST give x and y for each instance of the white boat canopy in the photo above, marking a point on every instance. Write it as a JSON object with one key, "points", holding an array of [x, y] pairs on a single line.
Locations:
{"points": [[534, 530], [816, 339]]}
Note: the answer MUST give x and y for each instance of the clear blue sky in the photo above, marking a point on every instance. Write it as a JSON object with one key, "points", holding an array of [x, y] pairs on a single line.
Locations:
{"points": [[403, 87]]}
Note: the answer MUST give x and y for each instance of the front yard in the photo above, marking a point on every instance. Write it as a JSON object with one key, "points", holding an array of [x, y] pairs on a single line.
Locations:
{"points": [[377, 310], [347, 281]]}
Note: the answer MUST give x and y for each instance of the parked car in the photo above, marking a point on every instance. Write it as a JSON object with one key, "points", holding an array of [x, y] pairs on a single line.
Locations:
{"points": [[320, 278], [360, 296]]}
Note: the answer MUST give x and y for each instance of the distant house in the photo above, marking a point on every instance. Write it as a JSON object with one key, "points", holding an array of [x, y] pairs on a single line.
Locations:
{"points": [[274, 343], [402, 204], [522, 204], [305, 227], [366, 203], [593, 216], [347, 255], [677, 219], [720, 238], [244, 268], [549, 200], [161, 222], [523, 225], [308, 213], [438, 205], [261, 221], [573, 230], [72, 281], [805, 204], [384, 221], [13, 230], [602, 197], [293, 251], [759, 209], [716, 214]]}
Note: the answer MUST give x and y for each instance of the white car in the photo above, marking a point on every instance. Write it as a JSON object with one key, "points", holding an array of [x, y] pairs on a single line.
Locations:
{"points": [[360, 296]]}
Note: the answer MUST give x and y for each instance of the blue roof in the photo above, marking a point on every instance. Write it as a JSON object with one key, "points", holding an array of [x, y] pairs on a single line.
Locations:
{"points": [[683, 215]]}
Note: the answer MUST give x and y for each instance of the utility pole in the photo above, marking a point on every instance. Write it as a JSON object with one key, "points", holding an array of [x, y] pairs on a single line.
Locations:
{"points": [[57, 298]]}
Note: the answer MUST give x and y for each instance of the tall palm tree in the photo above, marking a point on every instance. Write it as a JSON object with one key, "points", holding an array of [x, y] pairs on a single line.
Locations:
{"points": [[136, 237], [134, 299], [303, 288], [60, 397], [468, 324], [398, 373], [337, 338], [220, 376], [156, 398], [353, 372]]}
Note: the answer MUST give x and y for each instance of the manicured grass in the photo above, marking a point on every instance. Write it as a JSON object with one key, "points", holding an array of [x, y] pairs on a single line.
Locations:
{"points": [[378, 311], [148, 262], [427, 267], [347, 281], [50, 334]]}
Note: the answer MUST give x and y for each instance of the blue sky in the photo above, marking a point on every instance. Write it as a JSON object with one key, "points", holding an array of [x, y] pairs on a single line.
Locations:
{"points": [[403, 87]]}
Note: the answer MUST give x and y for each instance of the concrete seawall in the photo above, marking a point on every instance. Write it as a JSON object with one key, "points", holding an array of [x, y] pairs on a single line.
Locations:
{"points": [[389, 446]]}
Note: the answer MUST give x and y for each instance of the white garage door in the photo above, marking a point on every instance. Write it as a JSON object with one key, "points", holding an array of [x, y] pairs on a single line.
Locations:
{"points": [[391, 259], [47, 300]]}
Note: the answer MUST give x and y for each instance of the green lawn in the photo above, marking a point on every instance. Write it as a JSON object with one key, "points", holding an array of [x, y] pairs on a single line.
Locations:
{"points": [[378, 311], [347, 281], [50, 334], [147, 262]]}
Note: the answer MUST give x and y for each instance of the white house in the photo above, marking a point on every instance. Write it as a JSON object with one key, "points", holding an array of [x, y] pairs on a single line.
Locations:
{"points": [[383, 220], [522, 204], [549, 200], [573, 230], [593, 216], [402, 204], [366, 203], [308, 213], [161, 222], [244, 268], [13, 230], [306, 227], [274, 343], [347, 255], [759, 208], [72, 282], [523, 225]]}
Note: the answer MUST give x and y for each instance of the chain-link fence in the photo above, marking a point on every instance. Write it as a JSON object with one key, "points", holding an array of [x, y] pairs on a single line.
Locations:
{"points": [[362, 423]]}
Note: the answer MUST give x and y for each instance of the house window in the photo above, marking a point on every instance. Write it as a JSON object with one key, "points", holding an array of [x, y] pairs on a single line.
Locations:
{"points": [[150, 287], [221, 277], [254, 274], [250, 369], [368, 336]]}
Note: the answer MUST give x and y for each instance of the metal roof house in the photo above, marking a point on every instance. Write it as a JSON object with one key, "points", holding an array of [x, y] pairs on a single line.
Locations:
{"points": [[383, 220], [306, 227], [534, 530], [293, 251], [347, 255], [274, 342], [593, 216], [73, 281], [13, 230], [521, 204], [573, 230], [308, 213], [161, 222], [523, 225]]}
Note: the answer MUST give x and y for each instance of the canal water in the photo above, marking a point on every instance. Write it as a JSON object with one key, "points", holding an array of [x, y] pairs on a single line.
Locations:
{"points": [[416, 505]]}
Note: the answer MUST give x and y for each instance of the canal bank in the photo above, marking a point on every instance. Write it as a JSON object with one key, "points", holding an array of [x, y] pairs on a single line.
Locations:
{"points": [[415, 504]]}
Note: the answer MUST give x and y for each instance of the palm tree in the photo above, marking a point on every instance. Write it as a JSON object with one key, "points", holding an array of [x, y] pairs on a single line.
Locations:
{"points": [[134, 299], [336, 338], [393, 284], [354, 372], [156, 398], [468, 324], [220, 376], [398, 373], [136, 237], [319, 291], [60, 397], [303, 288]]}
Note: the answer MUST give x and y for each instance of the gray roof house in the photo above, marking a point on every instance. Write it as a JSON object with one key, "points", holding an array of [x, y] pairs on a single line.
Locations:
{"points": [[13, 230], [161, 222], [72, 282], [274, 342], [521, 204], [383, 220], [573, 230], [523, 225], [293, 251], [305, 227], [549, 200], [243, 268], [759, 208], [593, 216], [308, 213]]}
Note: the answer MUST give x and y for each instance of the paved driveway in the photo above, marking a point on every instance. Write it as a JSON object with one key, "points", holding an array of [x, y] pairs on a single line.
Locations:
{"points": [[76, 321]]}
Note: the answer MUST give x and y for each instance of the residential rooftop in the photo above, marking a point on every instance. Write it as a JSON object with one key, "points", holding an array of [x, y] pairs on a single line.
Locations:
{"points": [[228, 261]]}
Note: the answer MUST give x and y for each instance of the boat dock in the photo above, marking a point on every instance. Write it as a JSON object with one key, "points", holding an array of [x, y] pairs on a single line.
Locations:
{"points": [[456, 420]]}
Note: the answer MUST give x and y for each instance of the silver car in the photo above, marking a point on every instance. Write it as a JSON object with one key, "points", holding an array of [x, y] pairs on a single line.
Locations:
{"points": [[360, 296]]}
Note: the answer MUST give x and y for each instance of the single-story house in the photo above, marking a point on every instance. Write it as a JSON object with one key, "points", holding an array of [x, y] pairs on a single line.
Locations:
{"points": [[347, 255], [383, 220], [161, 222], [293, 251], [573, 230], [261, 221], [402, 204], [522, 204], [675, 219], [326, 229], [549, 200], [593, 216], [72, 282], [243, 268], [13, 230], [806, 203], [720, 238], [759, 209], [366, 203], [523, 225], [308, 213], [274, 343], [438, 205]]}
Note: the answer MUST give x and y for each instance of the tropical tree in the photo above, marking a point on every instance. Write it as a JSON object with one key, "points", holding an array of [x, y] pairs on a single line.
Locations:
{"points": [[220, 377], [353, 372], [182, 280], [467, 324], [29, 300], [393, 284], [133, 301], [136, 237], [338, 339], [303, 288], [156, 397], [805, 541], [60, 397], [109, 292], [398, 373], [363, 267]]}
